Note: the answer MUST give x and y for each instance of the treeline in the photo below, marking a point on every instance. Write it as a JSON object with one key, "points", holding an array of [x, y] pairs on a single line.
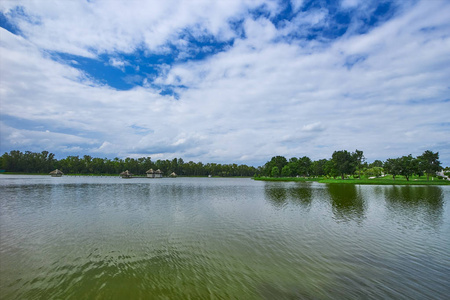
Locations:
{"points": [[344, 163], [44, 162]]}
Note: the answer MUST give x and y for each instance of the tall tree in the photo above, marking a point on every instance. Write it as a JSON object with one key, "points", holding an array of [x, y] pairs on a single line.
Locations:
{"points": [[429, 162], [276, 161], [377, 163], [344, 162], [275, 172], [393, 166], [359, 158], [330, 168], [293, 166], [304, 166], [286, 171], [317, 167], [408, 166]]}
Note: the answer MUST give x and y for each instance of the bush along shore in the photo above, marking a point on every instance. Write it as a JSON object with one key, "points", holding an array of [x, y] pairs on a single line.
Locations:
{"points": [[352, 168], [342, 167], [386, 180]]}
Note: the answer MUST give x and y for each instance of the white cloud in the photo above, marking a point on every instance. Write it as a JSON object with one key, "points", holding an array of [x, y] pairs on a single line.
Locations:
{"points": [[33, 139], [313, 127], [118, 63], [350, 3], [259, 98], [296, 5], [124, 26]]}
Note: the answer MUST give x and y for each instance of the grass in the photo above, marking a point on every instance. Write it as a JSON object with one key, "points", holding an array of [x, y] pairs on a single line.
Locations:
{"points": [[297, 179], [399, 180]]}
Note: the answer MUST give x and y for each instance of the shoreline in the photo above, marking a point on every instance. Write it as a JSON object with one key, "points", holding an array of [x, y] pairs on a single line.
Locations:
{"points": [[376, 181]]}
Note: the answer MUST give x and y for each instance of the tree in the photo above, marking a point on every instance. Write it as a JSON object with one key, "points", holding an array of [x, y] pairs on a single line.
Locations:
{"points": [[359, 158], [377, 163], [293, 166], [275, 172], [330, 168], [286, 171], [344, 162], [304, 166], [374, 171], [393, 166], [408, 166], [429, 162], [276, 161], [317, 167]]}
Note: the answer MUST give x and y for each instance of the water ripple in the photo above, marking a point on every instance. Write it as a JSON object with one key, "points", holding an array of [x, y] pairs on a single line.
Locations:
{"points": [[226, 239]]}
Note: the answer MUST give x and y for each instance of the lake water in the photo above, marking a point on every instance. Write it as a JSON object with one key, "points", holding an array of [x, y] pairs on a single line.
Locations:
{"points": [[209, 238]]}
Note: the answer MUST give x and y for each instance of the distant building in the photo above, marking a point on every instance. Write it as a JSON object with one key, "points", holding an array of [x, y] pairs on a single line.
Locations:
{"points": [[441, 173], [173, 175], [154, 174], [56, 173], [126, 174], [150, 173]]}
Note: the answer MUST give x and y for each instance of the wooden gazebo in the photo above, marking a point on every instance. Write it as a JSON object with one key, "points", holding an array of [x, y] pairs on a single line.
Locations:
{"points": [[154, 174], [56, 173], [158, 173], [126, 174], [150, 173]]}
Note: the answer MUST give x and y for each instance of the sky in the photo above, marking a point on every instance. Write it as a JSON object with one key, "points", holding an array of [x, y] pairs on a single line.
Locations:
{"points": [[225, 81]]}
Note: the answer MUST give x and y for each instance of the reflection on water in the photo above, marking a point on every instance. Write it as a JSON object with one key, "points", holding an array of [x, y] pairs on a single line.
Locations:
{"points": [[279, 194], [347, 202], [109, 238], [276, 193], [415, 206], [301, 194]]}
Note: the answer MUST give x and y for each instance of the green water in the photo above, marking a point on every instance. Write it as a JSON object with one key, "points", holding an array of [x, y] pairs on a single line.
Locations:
{"points": [[210, 238]]}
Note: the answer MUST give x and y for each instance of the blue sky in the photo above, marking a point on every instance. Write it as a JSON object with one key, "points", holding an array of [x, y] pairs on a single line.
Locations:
{"points": [[235, 81]]}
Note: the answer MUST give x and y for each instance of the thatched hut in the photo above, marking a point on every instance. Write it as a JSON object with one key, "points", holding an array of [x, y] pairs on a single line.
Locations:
{"points": [[56, 173], [126, 174], [158, 173], [150, 173], [173, 175], [154, 174]]}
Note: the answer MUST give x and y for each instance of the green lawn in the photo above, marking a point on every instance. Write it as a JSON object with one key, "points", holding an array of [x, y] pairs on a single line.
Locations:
{"points": [[399, 180], [301, 179]]}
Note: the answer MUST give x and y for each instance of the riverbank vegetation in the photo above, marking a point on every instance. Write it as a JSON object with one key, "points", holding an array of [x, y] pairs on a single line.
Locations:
{"points": [[386, 180], [352, 167], [342, 167], [44, 162]]}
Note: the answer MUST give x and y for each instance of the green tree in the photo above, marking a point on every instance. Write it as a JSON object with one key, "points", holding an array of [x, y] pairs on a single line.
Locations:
{"points": [[317, 167], [359, 159], [429, 162], [374, 171], [376, 163], [276, 161], [275, 172], [293, 166], [408, 166], [393, 166], [304, 166], [344, 162], [286, 171], [330, 168]]}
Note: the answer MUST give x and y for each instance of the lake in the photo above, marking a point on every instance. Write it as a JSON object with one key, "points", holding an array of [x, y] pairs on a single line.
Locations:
{"points": [[221, 238]]}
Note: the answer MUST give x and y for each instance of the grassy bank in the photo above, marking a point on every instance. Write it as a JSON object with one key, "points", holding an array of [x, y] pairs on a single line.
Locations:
{"points": [[399, 180], [299, 179]]}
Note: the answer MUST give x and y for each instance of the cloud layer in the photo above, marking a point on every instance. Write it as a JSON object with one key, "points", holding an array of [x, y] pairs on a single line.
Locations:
{"points": [[232, 81]]}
